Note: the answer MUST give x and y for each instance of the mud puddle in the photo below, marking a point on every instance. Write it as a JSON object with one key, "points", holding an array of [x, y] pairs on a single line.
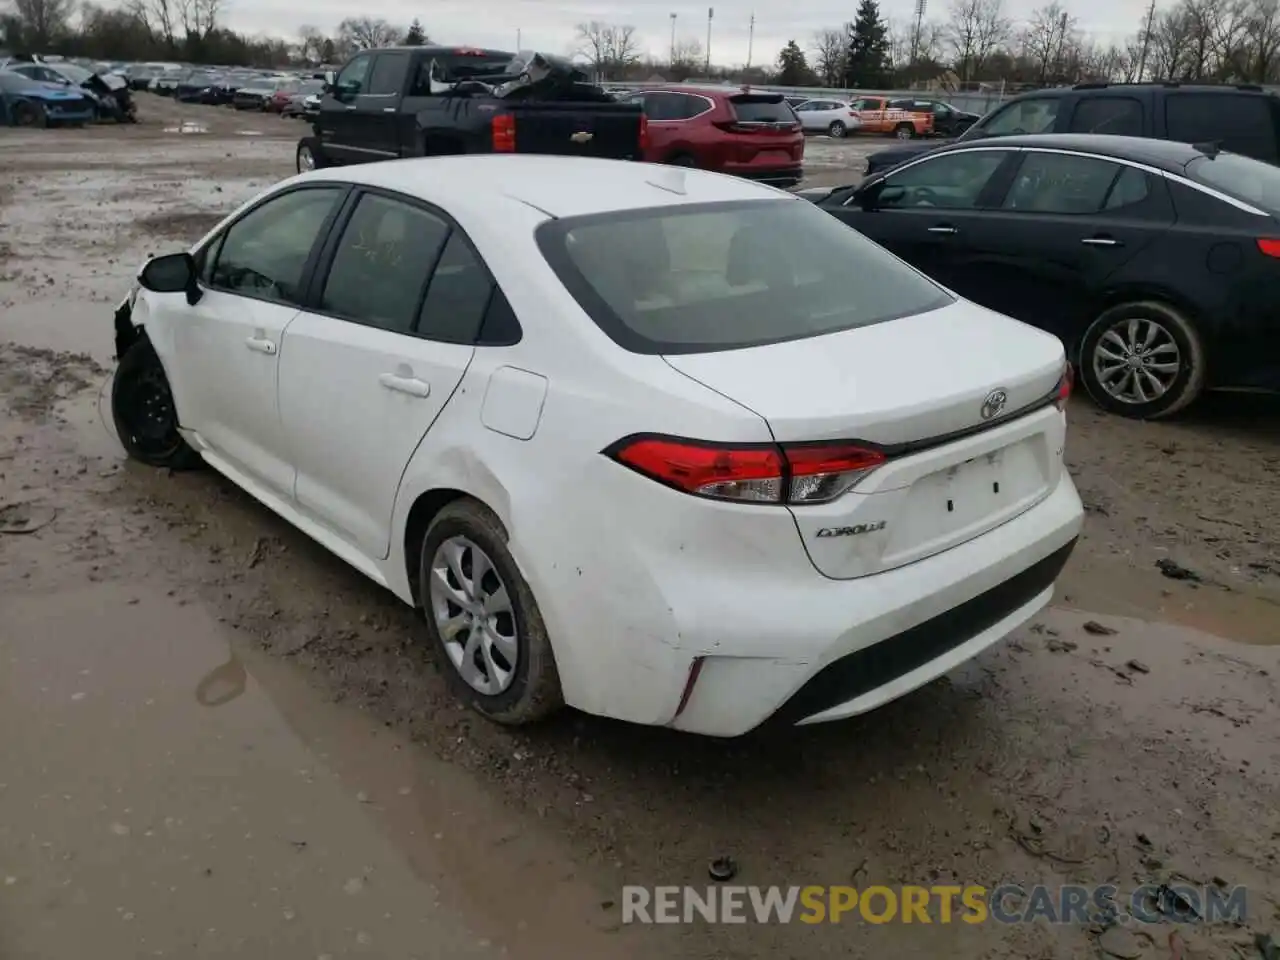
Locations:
{"points": [[172, 796]]}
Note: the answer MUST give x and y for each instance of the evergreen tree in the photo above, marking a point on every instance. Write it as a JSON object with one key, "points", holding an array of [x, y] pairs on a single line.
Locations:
{"points": [[793, 68], [867, 66], [416, 36]]}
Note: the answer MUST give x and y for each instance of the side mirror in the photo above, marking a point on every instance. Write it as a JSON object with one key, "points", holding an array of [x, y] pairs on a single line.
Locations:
{"points": [[172, 273], [330, 82]]}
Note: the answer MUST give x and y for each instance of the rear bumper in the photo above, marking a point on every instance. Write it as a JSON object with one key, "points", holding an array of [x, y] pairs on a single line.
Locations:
{"points": [[862, 643]]}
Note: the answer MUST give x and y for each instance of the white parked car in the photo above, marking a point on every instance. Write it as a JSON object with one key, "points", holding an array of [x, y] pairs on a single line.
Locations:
{"points": [[623, 431], [836, 118]]}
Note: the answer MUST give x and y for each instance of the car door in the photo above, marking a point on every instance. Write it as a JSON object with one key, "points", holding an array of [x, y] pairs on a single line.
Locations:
{"points": [[227, 345], [377, 107], [1066, 223], [368, 367], [806, 113], [924, 211], [337, 125]]}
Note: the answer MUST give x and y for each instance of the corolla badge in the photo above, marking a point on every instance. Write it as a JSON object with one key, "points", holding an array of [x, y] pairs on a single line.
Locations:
{"points": [[994, 405], [582, 136]]}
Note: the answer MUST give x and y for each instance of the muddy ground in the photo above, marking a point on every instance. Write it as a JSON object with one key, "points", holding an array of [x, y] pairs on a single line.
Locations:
{"points": [[218, 740]]}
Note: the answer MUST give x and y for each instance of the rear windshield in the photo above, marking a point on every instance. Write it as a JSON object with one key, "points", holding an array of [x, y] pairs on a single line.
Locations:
{"points": [[706, 277], [1250, 180], [749, 109]]}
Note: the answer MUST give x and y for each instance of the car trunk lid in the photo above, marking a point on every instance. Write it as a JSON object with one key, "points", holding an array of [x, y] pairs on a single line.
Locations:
{"points": [[960, 402]]}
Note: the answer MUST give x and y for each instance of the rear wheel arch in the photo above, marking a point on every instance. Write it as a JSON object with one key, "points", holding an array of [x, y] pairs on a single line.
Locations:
{"points": [[423, 511]]}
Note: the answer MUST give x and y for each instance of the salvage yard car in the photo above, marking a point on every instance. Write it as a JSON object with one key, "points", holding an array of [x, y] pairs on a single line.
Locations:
{"points": [[618, 430], [34, 103], [433, 101], [1156, 263]]}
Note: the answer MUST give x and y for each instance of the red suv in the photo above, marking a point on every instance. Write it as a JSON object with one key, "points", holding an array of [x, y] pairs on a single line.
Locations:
{"points": [[744, 132]]}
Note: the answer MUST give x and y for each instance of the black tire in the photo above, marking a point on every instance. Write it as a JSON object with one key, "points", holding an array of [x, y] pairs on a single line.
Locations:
{"points": [[682, 160], [1172, 326], [534, 689], [837, 130], [904, 131], [309, 147], [145, 417]]}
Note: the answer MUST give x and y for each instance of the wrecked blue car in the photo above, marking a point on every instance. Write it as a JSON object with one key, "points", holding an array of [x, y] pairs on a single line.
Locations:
{"points": [[32, 103]]}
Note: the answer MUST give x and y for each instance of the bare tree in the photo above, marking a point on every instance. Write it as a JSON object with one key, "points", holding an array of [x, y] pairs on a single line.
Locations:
{"points": [[1044, 41], [198, 17], [1169, 37], [1262, 41], [41, 21], [366, 33], [973, 30], [159, 18], [687, 56], [311, 44], [610, 48], [829, 47]]}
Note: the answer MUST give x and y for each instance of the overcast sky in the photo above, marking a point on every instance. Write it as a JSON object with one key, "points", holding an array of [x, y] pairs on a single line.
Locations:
{"points": [[549, 24]]}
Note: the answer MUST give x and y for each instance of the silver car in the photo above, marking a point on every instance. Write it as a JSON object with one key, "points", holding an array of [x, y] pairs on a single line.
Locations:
{"points": [[836, 118]]}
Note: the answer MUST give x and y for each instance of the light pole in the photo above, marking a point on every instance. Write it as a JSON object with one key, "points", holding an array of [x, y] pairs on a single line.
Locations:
{"points": [[711, 12], [673, 41]]}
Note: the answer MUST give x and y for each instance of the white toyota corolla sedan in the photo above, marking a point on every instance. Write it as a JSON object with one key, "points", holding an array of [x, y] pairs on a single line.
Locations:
{"points": [[621, 431]]}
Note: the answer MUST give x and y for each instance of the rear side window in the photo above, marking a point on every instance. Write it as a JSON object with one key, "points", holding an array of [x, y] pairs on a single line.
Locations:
{"points": [[672, 106], [1118, 116], [1060, 183], [1240, 123], [382, 263], [706, 277], [1240, 177], [388, 73], [458, 295], [749, 109]]}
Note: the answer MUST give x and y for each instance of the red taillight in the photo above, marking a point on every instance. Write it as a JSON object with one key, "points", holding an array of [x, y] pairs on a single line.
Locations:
{"points": [[750, 473], [1270, 246], [504, 133], [1064, 387], [644, 132]]}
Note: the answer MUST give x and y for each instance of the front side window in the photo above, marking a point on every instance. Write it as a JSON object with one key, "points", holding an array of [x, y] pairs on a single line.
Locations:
{"points": [[389, 70], [1033, 115], [353, 79], [1060, 183], [382, 263], [951, 182], [264, 254], [706, 277]]}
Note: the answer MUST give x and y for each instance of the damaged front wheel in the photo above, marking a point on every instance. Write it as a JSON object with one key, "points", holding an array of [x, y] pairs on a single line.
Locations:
{"points": [[144, 413]]}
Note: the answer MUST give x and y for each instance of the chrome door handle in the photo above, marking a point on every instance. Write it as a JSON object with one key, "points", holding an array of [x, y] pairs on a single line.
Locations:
{"points": [[1101, 242], [943, 230], [261, 345], [388, 109], [351, 106], [410, 385]]}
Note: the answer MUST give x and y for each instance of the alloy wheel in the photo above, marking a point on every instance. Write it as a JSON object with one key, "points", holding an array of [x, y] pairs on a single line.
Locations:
{"points": [[474, 614], [306, 160], [1136, 360]]}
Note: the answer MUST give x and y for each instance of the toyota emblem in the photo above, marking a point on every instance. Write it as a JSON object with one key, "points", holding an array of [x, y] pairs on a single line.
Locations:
{"points": [[994, 405]]}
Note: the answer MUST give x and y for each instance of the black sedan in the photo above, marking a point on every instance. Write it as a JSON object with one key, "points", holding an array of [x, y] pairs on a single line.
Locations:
{"points": [[1156, 263]]}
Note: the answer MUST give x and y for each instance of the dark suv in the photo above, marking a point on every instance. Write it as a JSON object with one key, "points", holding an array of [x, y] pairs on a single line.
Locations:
{"points": [[1243, 118]]}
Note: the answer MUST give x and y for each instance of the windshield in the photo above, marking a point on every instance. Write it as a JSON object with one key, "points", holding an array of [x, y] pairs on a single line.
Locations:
{"points": [[707, 277], [1250, 180], [74, 74]]}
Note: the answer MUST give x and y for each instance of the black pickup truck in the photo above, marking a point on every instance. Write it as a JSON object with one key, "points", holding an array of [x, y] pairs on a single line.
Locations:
{"points": [[431, 101]]}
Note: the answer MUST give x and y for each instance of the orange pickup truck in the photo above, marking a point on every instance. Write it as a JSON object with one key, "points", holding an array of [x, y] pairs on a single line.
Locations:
{"points": [[880, 115]]}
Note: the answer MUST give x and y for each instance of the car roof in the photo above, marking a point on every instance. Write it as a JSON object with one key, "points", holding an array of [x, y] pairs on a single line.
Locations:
{"points": [[483, 184], [1123, 89], [1164, 154]]}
